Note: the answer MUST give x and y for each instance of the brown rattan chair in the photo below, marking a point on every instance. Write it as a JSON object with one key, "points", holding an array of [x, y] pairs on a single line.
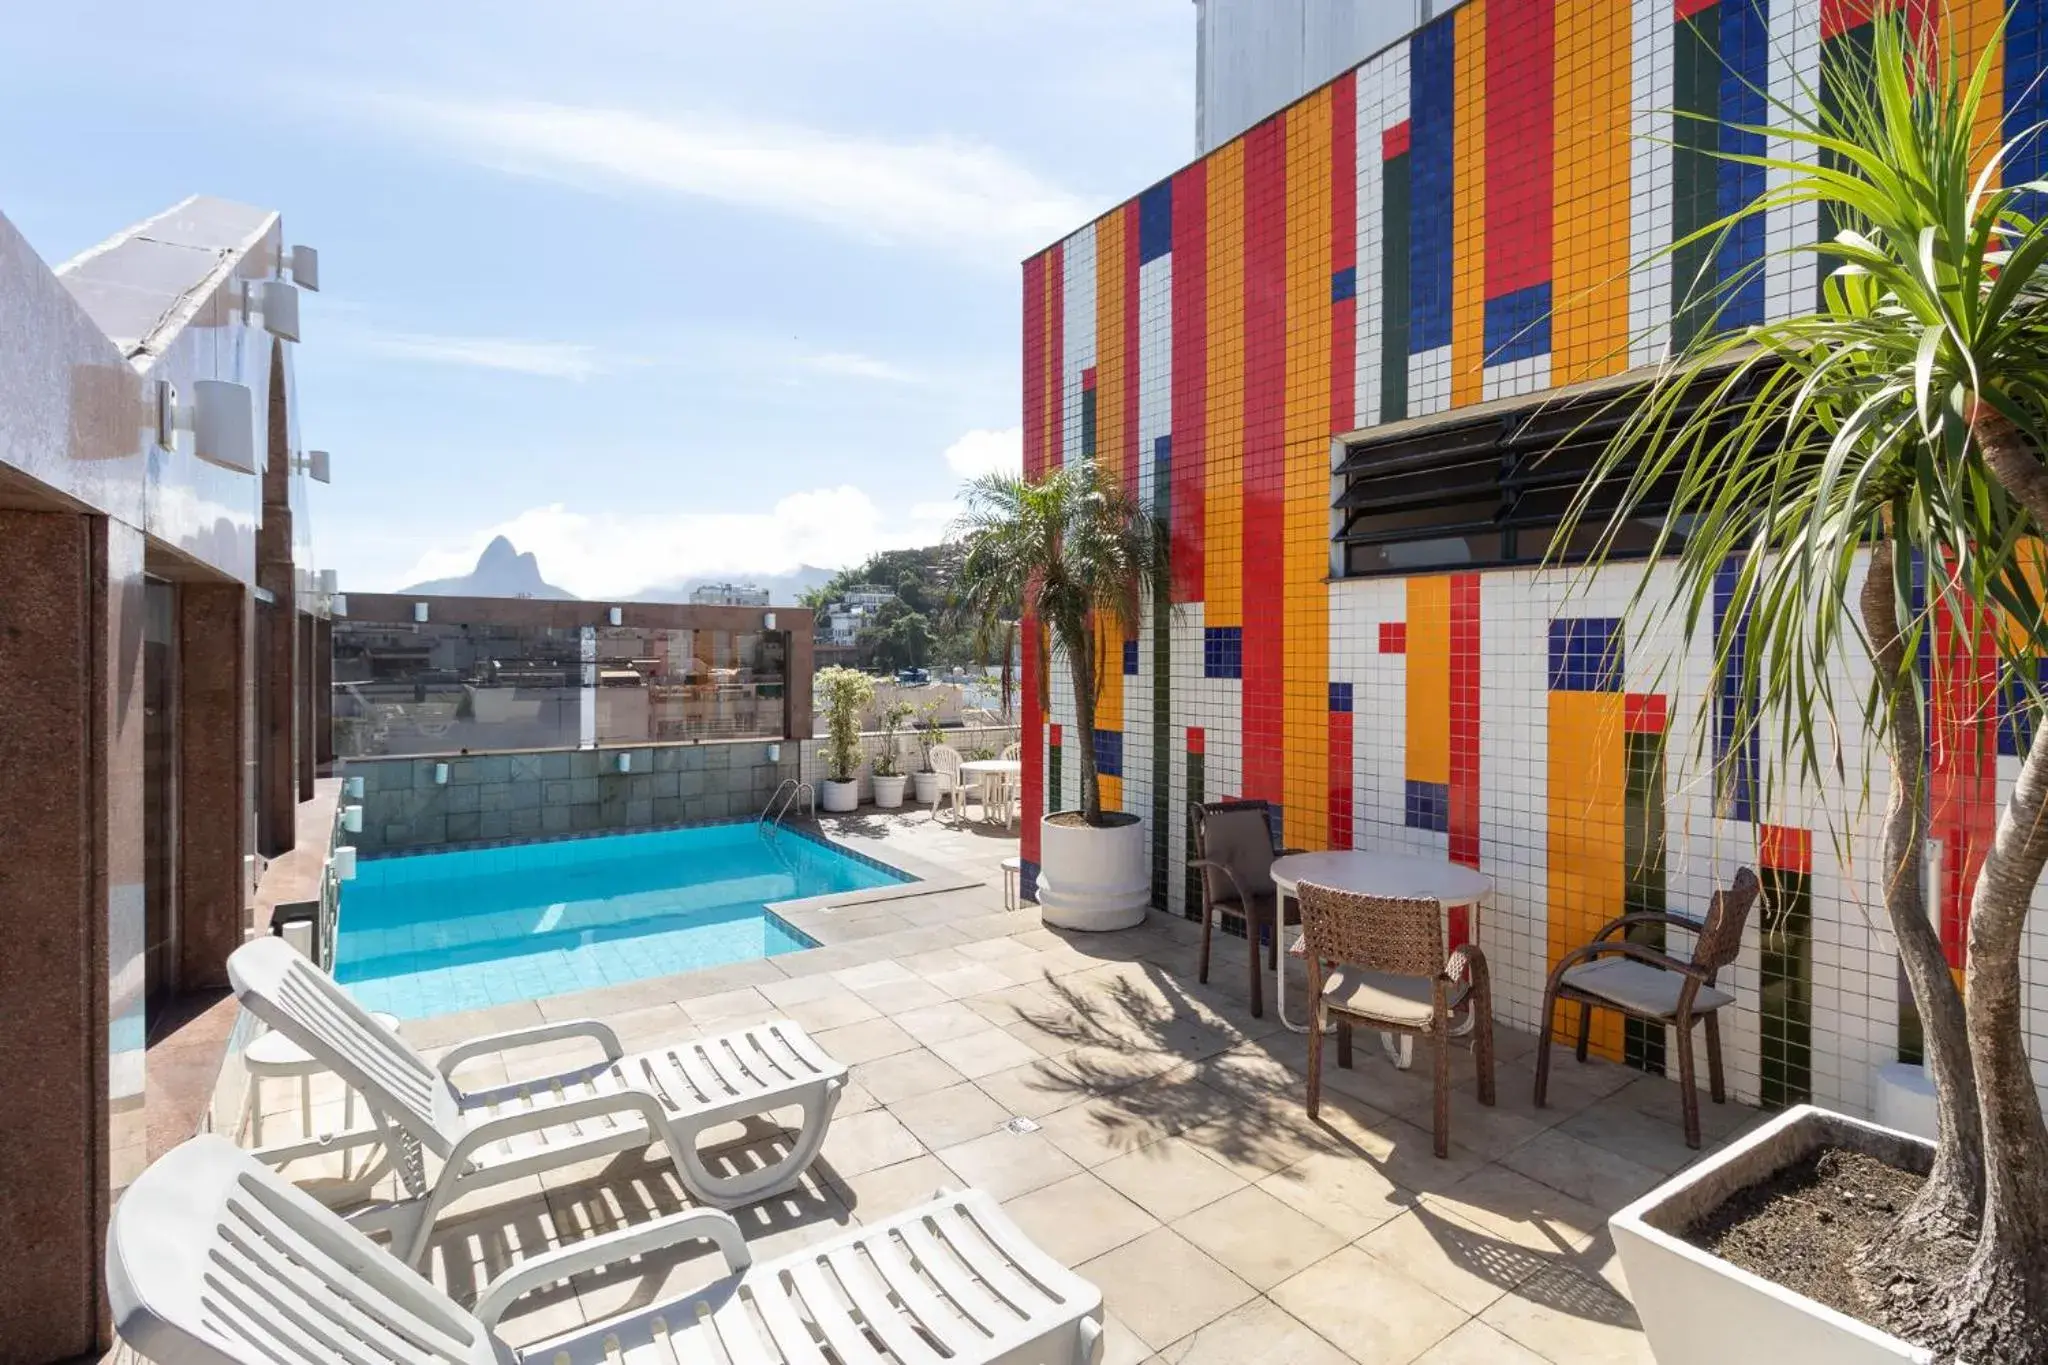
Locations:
{"points": [[1234, 849], [1642, 983], [1378, 962]]}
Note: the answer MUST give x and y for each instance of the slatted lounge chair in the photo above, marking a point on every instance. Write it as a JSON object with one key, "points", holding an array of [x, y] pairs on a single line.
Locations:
{"points": [[212, 1259], [670, 1095]]}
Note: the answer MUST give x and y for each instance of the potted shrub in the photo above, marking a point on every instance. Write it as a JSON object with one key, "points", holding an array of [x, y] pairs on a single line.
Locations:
{"points": [[929, 737], [1087, 556], [845, 693], [1881, 454], [887, 773]]}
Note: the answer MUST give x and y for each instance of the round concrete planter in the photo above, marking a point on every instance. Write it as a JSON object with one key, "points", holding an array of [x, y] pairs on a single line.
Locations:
{"points": [[889, 791], [838, 797], [926, 786], [1093, 879], [1698, 1309]]}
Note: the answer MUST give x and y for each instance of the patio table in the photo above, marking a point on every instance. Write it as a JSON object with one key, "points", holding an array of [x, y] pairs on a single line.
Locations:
{"points": [[1413, 876], [1006, 770]]}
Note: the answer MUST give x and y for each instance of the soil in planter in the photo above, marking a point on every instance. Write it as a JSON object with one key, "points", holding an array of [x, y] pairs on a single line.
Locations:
{"points": [[1803, 1227], [1071, 819]]}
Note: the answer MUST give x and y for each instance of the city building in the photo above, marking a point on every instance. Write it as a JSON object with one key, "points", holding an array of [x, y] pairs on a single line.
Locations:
{"points": [[841, 622], [1313, 351], [162, 628], [1255, 56], [729, 595]]}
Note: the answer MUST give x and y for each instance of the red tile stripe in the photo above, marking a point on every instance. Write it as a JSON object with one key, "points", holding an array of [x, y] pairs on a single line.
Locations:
{"points": [[1686, 9], [1394, 141], [1342, 796], [1344, 251], [1197, 740], [1264, 479], [1190, 377], [1044, 290], [1643, 713], [1783, 849], [1464, 812], [1963, 776], [1839, 16], [1520, 59]]}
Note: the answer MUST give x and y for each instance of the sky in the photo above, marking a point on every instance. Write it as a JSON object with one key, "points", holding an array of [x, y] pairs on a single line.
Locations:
{"points": [[656, 288]]}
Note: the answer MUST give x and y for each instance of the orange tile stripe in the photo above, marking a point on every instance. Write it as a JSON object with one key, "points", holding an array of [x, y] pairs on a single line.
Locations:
{"points": [[1223, 433], [1428, 712], [1111, 399], [1590, 236], [1468, 280], [1305, 638], [1587, 837]]}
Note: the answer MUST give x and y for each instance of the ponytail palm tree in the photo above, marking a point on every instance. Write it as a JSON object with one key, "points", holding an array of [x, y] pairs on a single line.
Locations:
{"points": [[1076, 551], [1865, 468]]}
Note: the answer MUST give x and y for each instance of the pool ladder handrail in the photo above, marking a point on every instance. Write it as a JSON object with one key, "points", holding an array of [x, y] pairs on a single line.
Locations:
{"points": [[773, 817]]}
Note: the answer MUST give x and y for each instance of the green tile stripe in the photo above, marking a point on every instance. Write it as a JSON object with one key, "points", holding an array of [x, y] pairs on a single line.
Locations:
{"points": [[1191, 894], [1785, 1001], [1087, 424], [1642, 1044], [1846, 60], [1162, 671], [1696, 90], [1052, 780], [1394, 289]]}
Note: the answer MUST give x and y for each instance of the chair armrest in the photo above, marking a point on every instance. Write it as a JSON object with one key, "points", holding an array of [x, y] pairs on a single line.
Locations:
{"points": [[1211, 865], [595, 1253], [1691, 926], [605, 1035], [499, 1127], [1466, 957]]}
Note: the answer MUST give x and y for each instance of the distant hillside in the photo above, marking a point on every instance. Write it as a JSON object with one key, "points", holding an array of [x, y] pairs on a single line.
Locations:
{"points": [[501, 571], [784, 590]]}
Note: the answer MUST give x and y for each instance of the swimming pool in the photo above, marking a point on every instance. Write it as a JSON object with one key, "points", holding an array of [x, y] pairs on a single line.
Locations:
{"points": [[432, 933]]}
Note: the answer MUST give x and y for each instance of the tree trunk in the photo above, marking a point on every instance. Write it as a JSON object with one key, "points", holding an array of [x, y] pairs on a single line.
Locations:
{"points": [[1081, 657], [1948, 1204], [2000, 1309]]}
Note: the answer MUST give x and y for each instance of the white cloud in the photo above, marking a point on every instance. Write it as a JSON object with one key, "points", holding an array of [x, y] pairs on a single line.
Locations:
{"points": [[545, 359], [960, 196], [987, 452], [617, 554], [854, 365]]}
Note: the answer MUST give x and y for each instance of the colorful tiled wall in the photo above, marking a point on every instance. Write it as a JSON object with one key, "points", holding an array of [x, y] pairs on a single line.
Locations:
{"points": [[1455, 222]]}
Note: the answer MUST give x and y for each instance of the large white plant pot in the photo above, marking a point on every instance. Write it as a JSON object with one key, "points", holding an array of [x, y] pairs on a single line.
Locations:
{"points": [[889, 791], [1698, 1309], [1093, 879], [838, 797], [927, 787]]}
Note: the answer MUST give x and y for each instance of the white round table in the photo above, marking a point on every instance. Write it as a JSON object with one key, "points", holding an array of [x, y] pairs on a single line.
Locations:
{"points": [[1411, 876], [1008, 769]]}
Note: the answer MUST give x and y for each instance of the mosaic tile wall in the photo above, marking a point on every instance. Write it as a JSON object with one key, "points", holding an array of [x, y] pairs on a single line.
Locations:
{"points": [[1450, 223]]}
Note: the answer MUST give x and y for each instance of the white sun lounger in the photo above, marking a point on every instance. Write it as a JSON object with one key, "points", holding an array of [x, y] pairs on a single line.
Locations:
{"points": [[212, 1259], [670, 1095]]}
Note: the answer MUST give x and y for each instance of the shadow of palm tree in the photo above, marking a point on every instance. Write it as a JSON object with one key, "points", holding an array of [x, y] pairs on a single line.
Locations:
{"points": [[1563, 1280]]}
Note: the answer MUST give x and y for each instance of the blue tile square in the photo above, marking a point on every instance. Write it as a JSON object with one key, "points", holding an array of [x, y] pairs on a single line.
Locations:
{"points": [[1428, 806], [1344, 284], [1340, 697], [1155, 222], [1130, 656], [1223, 651], [1585, 654], [1109, 753]]}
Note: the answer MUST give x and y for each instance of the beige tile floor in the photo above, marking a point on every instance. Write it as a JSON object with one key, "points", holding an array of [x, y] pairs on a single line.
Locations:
{"points": [[1172, 1163]]}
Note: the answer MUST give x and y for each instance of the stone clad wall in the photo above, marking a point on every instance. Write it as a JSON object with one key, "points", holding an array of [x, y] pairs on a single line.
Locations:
{"points": [[528, 795]]}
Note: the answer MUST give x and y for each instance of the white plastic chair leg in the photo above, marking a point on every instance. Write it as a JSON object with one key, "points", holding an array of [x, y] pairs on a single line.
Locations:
{"points": [[731, 1190]]}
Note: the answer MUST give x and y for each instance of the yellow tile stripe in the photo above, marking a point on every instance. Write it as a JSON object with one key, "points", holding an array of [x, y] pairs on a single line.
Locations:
{"points": [[1590, 228], [1587, 837], [1972, 25], [1305, 639], [1110, 401], [1429, 680], [1223, 428], [1468, 280]]}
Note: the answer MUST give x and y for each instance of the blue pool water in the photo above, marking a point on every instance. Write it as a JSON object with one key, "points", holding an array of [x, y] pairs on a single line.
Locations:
{"points": [[437, 932]]}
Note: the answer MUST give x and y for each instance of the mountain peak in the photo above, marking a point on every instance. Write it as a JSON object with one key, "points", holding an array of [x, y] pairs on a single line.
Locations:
{"points": [[501, 571]]}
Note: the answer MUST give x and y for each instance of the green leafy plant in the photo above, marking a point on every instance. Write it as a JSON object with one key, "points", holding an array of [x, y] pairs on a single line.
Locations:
{"points": [[929, 734], [1081, 556], [1811, 463], [846, 692], [893, 715]]}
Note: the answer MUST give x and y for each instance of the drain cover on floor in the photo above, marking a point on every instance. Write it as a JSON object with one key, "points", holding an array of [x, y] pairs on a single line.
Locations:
{"points": [[1020, 1125]]}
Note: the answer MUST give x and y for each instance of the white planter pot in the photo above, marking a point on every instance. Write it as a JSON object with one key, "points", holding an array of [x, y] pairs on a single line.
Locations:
{"points": [[838, 797], [889, 791], [927, 787], [1093, 879], [1698, 1309]]}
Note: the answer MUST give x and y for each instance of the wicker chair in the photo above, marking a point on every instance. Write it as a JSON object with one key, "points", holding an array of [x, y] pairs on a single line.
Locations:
{"points": [[1378, 962], [1234, 848], [1642, 983]]}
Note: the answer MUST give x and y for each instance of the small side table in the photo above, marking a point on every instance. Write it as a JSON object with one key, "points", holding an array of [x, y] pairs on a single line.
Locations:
{"points": [[1013, 877], [274, 1057]]}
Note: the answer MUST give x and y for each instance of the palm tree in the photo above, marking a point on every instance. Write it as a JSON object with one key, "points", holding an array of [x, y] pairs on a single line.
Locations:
{"points": [[1902, 421], [1075, 550]]}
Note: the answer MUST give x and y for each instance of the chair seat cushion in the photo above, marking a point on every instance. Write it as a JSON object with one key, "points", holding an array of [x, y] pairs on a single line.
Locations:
{"points": [[1408, 1001], [1639, 988], [1262, 908]]}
